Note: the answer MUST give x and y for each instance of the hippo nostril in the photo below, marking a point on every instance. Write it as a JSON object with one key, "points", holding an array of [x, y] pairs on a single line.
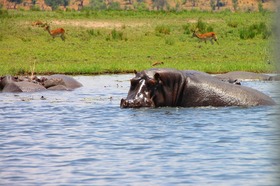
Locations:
{"points": [[148, 102], [137, 103], [124, 103]]}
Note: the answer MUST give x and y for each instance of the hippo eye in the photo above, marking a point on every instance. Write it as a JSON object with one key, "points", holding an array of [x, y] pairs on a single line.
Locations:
{"points": [[134, 81]]}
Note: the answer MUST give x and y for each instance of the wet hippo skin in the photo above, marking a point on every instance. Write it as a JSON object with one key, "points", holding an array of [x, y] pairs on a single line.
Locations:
{"points": [[26, 84], [174, 88]]}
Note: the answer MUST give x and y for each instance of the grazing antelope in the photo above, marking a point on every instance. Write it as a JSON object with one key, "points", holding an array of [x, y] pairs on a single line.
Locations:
{"points": [[56, 33], [157, 63], [207, 36], [38, 23]]}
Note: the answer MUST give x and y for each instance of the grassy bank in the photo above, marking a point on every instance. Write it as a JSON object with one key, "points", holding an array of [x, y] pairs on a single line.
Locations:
{"points": [[121, 41]]}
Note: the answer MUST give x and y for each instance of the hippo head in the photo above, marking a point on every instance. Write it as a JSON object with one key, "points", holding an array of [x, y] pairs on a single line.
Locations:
{"points": [[142, 88], [151, 88], [5, 80]]}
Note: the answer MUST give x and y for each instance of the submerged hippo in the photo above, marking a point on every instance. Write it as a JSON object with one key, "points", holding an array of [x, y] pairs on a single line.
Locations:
{"points": [[14, 84], [25, 84], [174, 88], [60, 82], [241, 75]]}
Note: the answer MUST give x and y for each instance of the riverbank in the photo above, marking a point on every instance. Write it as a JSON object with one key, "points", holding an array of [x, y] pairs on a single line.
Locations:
{"points": [[123, 41]]}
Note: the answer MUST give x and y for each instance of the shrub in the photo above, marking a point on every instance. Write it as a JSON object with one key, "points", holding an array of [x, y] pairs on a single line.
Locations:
{"points": [[140, 6], [35, 8], [93, 32], [116, 35], [247, 33], [186, 29], [210, 29], [201, 26], [97, 5], [253, 30], [266, 35], [18, 71], [232, 24], [262, 27], [114, 6], [254, 27], [163, 29], [260, 7], [169, 41], [3, 13]]}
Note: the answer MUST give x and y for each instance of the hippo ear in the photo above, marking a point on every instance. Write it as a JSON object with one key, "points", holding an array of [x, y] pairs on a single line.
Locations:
{"points": [[135, 72], [157, 76]]}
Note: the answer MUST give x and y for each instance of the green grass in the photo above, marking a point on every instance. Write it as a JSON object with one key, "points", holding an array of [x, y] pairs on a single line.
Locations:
{"points": [[137, 41]]}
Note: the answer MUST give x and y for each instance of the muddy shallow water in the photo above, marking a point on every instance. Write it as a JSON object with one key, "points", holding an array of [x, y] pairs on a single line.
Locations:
{"points": [[82, 137]]}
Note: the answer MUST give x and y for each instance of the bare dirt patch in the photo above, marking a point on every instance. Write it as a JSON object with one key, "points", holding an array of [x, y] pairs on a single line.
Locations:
{"points": [[96, 24]]}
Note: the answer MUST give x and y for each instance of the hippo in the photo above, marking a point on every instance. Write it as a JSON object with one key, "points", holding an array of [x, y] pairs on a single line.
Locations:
{"points": [[26, 84], [174, 88], [242, 75], [14, 84], [60, 82]]}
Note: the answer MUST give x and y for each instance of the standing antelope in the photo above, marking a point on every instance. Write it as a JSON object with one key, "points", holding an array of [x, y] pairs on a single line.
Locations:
{"points": [[207, 36], [56, 33]]}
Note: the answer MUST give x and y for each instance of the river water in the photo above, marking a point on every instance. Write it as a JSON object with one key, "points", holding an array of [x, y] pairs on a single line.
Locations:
{"points": [[83, 137]]}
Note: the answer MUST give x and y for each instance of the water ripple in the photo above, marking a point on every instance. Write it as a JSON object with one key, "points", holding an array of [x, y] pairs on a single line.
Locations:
{"points": [[82, 137]]}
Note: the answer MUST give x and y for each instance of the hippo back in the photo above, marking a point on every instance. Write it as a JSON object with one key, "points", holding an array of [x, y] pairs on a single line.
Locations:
{"points": [[23, 86], [205, 90], [241, 75], [67, 82]]}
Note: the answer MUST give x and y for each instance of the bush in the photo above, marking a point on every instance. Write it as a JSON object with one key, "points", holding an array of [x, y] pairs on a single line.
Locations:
{"points": [[97, 5], [3, 13], [201, 26], [93, 32], [163, 29], [210, 29], [140, 6], [232, 24], [262, 27], [186, 29], [169, 41], [247, 33], [260, 7], [116, 35], [253, 30], [35, 8], [266, 35], [114, 6]]}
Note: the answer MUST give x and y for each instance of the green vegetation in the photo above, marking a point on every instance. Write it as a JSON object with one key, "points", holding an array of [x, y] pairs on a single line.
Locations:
{"points": [[123, 41], [255, 29], [55, 4]]}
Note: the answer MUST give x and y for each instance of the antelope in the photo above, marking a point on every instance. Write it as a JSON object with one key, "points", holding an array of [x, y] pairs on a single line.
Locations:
{"points": [[56, 33], [157, 63], [207, 36], [38, 23]]}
